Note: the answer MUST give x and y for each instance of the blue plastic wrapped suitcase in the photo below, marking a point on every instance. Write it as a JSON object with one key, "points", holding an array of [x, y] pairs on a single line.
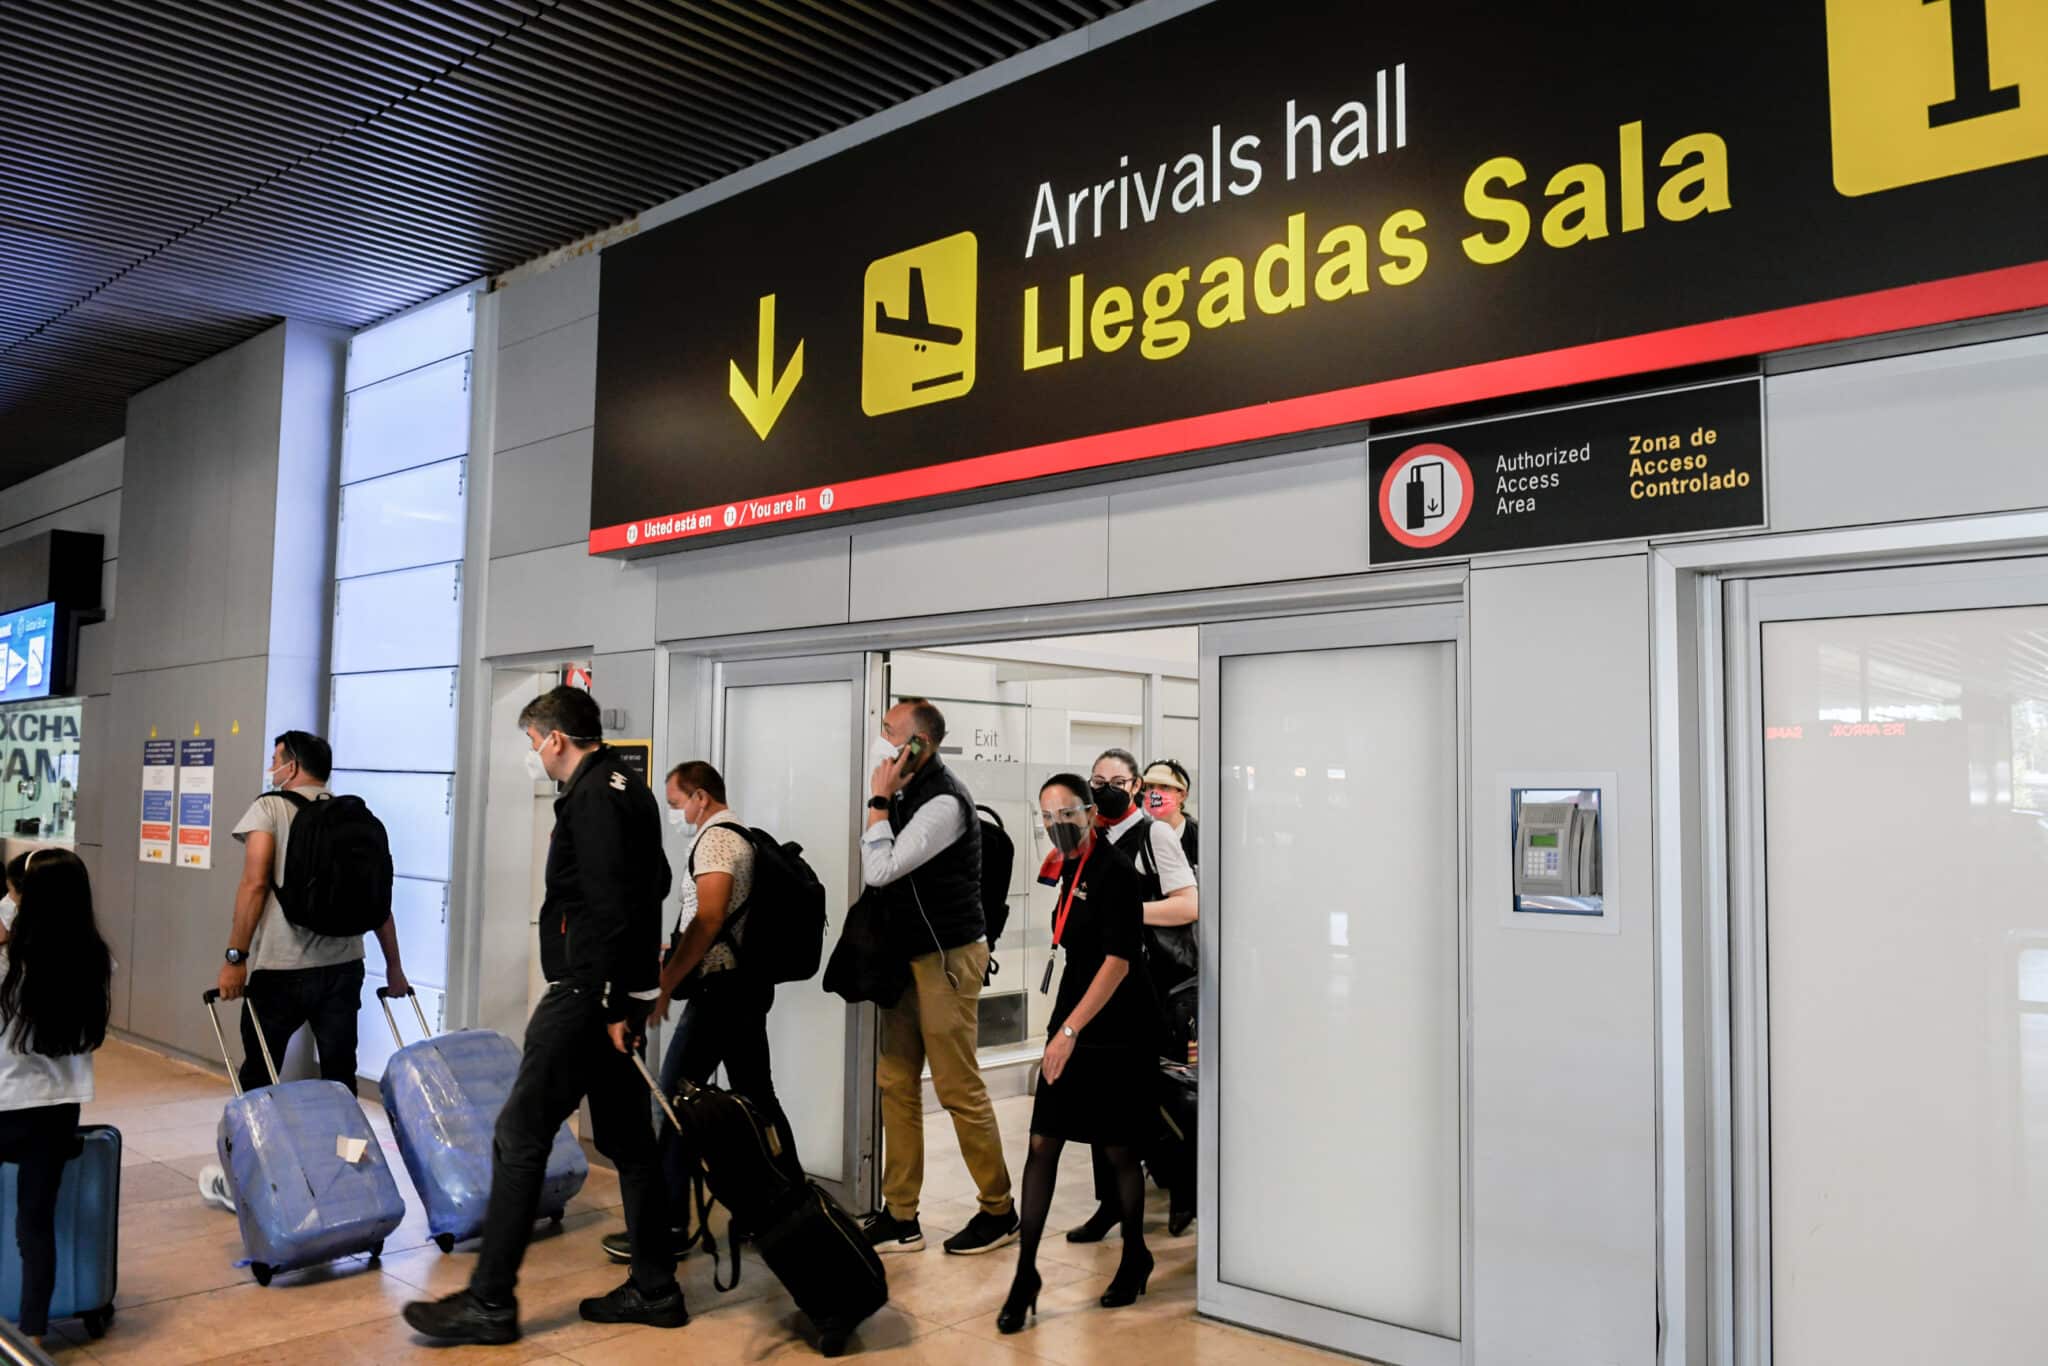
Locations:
{"points": [[88, 1229], [443, 1095], [307, 1173]]}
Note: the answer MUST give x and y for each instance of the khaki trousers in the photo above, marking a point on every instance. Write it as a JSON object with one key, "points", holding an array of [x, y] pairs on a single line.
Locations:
{"points": [[937, 1021]]}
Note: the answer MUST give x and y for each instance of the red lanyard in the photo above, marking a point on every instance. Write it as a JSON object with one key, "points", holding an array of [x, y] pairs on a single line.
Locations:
{"points": [[1059, 923]]}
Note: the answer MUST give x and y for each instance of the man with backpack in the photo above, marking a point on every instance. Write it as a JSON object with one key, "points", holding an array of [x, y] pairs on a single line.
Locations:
{"points": [[921, 853], [711, 962], [316, 877]]}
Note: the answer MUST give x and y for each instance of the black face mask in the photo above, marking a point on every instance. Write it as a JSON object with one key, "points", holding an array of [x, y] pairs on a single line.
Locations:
{"points": [[1065, 837], [1113, 803]]}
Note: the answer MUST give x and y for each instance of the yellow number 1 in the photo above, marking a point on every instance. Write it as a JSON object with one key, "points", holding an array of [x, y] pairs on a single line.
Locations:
{"points": [[1923, 89]]}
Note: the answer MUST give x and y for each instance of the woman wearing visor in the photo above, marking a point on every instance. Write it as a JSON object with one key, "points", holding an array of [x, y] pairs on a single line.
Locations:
{"points": [[1096, 1086]]}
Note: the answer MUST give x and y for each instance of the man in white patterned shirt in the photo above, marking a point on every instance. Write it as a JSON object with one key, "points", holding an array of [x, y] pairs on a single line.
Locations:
{"points": [[725, 1019]]}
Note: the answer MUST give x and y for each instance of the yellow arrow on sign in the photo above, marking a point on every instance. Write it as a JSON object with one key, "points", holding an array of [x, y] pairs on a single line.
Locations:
{"points": [[763, 401]]}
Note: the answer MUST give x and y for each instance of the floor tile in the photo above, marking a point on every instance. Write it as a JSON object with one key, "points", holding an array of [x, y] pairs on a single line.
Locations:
{"points": [[183, 1299]]}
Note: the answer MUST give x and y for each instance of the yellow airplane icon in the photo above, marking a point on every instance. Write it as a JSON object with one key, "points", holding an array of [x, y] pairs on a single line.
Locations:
{"points": [[918, 337]]}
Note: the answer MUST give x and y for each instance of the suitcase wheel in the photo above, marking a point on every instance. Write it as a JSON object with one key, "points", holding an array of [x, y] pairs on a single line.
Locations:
{"points": [[98, 1321], [446, 1242], [555, 1222], [377, 1253], [261, 1271]]}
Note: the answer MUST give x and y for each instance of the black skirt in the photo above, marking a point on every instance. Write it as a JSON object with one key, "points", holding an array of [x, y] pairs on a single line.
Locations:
{"points": [[1108, 1094]]}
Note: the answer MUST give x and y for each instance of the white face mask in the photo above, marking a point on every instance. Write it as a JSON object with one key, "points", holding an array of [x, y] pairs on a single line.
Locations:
{"points": [[678, 819], [882, 752], [535, 769]]}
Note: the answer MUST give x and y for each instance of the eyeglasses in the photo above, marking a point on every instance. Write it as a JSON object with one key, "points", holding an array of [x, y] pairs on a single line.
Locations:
{"points": [[1099, 783], [1066, 814]]}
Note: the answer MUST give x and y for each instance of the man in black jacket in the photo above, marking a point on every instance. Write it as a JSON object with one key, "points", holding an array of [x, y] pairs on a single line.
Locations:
{"points": [[600, 949]]}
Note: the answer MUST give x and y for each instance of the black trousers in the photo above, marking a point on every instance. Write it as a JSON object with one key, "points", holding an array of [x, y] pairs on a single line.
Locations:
{"points": [[41, 1140], [726, 1022], [569, 1056], [325, 999]]}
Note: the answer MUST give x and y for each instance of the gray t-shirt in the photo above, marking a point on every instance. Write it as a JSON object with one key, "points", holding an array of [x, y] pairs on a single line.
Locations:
{"points": [[280, 945]]}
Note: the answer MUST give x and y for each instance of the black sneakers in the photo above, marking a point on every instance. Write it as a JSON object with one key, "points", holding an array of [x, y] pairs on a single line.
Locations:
{"points": [[985, 1232], [887, 1233], [629, 1304], [462, 1317]]}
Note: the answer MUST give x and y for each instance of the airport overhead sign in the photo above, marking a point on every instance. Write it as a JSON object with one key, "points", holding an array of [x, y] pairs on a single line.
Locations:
{"points": [[1259, 219]]}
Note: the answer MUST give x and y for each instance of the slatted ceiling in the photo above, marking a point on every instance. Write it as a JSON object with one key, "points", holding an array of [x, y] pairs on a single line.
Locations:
{"points": [[174, 178]]}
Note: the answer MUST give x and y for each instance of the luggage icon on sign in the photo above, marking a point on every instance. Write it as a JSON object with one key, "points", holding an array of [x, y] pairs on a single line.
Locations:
{"points": [[918, 333], [1426, 495]]}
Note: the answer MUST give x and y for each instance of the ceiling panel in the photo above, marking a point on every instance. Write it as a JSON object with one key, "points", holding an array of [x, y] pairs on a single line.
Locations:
{"points": [[176, 178]]}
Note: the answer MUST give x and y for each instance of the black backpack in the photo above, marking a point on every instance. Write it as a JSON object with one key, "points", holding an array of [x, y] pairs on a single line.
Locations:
{"points": [[998, 859], [789, 943], [337, 867]]}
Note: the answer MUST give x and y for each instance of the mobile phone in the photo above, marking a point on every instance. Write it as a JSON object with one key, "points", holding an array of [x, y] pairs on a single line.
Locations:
{"points": [[915, 749]]}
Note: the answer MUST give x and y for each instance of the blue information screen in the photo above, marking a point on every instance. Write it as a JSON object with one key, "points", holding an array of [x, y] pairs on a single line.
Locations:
{"points": [[28, 652]]}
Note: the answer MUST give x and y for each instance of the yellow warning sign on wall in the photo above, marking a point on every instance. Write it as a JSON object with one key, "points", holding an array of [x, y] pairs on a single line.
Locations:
{"points": [[1924, 89], [917, 339]]}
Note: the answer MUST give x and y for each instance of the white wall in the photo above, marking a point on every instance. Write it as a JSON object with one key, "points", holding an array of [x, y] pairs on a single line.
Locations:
{"points": [[1563, 1025]]}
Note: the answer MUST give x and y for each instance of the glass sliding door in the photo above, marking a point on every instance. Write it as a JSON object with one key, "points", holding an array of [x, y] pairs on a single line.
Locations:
{"points": [[1331, 1043], [789, 738]]}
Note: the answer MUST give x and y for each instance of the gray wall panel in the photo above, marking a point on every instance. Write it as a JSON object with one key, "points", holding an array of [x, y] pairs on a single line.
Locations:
{"points": [[540, 495], [540, 303], [101, 514], [96, 657], [182, 915], [547, 385], [1012, 555], [95, 770], [1563, 1047], [765, 586], [1939, 434], [1290, 517], [564, 599], [200, 499], [72, 483], [626, 681]]}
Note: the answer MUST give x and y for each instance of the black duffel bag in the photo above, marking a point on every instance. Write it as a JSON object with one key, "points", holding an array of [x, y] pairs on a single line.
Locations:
{"points": [[864, 965]]}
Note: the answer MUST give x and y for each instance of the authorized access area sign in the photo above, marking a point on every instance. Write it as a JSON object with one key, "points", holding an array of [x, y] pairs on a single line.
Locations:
{"points": [[1657, 465], [1259, 219]]}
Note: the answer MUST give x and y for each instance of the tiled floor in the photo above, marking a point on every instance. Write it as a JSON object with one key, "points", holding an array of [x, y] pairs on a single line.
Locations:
{"points": [[183, 1300]]}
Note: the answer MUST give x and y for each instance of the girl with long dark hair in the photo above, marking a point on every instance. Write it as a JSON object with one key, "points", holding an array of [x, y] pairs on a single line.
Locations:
{"points": [[56, 977]]}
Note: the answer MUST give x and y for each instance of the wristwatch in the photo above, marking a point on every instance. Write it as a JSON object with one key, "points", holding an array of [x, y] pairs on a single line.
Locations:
{"points": [[878, 803], [238, 956], [1068, 1031]]}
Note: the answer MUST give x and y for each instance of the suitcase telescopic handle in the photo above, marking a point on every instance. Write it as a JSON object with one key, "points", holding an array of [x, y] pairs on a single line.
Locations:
{"points": [[384, 1000], [655, 1087], [212, 995]]}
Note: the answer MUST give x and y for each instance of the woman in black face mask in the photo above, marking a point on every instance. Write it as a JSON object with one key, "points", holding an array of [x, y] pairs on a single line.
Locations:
{"points": [[1096, 1084]]}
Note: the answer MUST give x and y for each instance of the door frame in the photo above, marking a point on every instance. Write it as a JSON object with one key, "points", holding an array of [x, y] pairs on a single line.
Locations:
{"points": [[1262, 1310], [860, 1152], [1713, 1272], [687, 673]]}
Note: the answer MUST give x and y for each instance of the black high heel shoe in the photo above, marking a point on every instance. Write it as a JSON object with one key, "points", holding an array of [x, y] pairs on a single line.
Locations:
{"points": [[1098, 1226], [1129, 1282], [1023, 1300]]}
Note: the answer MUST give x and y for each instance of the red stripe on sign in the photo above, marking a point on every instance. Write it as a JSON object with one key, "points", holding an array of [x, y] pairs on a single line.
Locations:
{"points": [[1889, 310]]}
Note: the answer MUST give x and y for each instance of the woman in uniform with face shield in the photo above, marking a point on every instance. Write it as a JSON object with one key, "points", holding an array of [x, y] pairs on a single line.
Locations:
{"points": [[1096, 1087]]}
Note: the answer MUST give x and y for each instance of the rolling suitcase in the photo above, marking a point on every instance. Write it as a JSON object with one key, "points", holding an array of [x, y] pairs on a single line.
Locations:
{"points": [[88, 1229], [814, 1247], [308, 1175], [1172, 1158], [443, 1095]]}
